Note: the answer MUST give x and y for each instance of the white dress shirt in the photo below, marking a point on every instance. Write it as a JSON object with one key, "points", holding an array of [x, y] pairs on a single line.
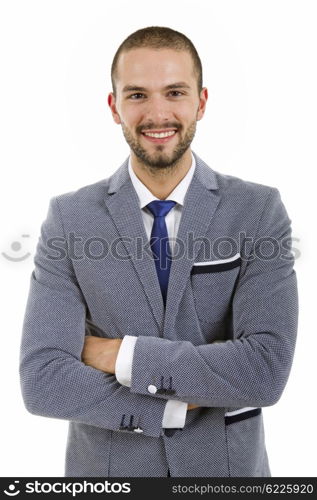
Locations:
{"points": [[175, 411]]}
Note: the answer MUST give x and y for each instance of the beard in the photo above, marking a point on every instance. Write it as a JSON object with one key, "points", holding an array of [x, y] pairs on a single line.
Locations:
{"points": [[158, 160]]}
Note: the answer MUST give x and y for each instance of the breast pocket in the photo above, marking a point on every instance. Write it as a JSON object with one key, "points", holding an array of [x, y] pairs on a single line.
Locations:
{"points": [[213, 284]]}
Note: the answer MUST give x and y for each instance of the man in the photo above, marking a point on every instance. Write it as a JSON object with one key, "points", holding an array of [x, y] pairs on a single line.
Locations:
{"points": [[162, 311]]}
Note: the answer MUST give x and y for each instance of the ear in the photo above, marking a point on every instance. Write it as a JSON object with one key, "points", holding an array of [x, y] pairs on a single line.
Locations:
{"points": [[113, 109], [202, 103]]}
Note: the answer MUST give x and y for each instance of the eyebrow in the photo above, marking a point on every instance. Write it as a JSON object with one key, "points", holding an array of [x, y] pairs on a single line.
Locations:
{"points": [[135, 88]]}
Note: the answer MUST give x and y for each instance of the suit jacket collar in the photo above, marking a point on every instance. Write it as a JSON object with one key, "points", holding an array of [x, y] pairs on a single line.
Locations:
{"points": [[200, 203]]}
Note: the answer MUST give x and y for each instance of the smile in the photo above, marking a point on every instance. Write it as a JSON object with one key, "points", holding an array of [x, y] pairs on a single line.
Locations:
{"points": [[160, 137]]}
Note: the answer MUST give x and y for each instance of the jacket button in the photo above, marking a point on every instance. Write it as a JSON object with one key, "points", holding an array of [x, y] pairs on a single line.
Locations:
{"points": [[152, 389]]}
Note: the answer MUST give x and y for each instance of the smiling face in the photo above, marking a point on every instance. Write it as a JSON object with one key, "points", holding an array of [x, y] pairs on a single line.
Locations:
{"points": [[157, 104]]}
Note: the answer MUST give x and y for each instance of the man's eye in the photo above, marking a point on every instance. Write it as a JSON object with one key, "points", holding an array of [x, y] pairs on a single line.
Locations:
{"points": [[132, 96], [176, 92], [137, 95]]}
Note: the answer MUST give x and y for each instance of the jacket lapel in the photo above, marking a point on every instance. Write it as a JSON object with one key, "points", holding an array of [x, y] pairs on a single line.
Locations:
{"points": [[123, 206], [200, 203]]}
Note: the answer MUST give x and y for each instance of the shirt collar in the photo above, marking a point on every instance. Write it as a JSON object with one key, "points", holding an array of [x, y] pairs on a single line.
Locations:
{"points": [[178, 194]]}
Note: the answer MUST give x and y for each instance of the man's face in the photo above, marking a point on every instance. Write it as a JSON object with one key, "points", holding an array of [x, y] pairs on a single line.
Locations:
{"points": [[157, 94]]}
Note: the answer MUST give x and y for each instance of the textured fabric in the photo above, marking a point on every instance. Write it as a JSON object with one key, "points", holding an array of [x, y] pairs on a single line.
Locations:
{"points": [[250, 368], [174, 415], [226, 338], [175, 411], [159, 242]]}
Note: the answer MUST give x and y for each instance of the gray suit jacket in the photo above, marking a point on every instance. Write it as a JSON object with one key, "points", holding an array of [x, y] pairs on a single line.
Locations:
{"points": [[225, 340]]}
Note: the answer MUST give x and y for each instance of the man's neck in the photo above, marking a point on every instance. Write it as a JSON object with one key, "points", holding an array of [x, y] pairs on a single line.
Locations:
{"points": [[161, 182]]}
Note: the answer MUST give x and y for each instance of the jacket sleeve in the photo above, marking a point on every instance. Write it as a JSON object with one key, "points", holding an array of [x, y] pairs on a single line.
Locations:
{"points": [[175, 411], [252, 369], [54, 381]]}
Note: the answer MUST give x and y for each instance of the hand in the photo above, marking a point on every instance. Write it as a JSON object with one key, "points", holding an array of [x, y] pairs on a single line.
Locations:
{"points": [[101, 353], [192, 406]]}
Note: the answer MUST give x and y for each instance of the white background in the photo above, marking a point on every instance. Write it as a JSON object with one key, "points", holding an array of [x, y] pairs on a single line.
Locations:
{"points": [[57, 134]]}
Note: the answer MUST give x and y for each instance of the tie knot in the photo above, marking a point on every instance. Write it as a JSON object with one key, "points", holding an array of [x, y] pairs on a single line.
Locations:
{"points": [[160, 208]]}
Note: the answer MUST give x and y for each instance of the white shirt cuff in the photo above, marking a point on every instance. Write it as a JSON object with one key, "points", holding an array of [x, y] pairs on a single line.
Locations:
{"points": [[123, 366], [174, 414], [175, 411]]}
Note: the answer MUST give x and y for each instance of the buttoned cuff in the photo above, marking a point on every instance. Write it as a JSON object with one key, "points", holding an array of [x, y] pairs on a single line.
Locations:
{"points": [[123, 366], [174, 414]]}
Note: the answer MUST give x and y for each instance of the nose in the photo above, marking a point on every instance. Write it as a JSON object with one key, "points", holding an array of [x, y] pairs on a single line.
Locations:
{"points": [[158, 110]]}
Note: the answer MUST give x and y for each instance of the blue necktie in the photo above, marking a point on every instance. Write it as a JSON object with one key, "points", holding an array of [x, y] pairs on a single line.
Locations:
{"points": [[159, 242]]}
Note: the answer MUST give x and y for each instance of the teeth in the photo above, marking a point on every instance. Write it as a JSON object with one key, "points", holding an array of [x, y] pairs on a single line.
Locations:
{"points": [[162, 134]]}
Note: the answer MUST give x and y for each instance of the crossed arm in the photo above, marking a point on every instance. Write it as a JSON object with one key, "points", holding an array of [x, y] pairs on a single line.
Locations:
{"points": [[252, 368], [101, 353], [64, 375]]}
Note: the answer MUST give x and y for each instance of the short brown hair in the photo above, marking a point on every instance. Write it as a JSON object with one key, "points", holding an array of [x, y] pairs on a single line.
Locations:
{"points": [[158, 37]]}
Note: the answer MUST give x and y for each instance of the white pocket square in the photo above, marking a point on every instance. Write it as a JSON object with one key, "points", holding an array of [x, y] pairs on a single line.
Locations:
{"points": [[219, 261]]}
